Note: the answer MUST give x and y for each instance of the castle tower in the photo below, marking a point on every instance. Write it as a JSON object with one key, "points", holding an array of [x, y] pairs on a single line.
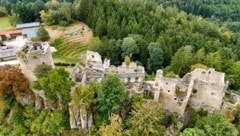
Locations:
{"points": [[32, 55]]}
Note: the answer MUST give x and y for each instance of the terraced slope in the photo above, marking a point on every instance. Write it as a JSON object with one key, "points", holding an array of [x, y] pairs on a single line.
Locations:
{"points": [[73, 43]]}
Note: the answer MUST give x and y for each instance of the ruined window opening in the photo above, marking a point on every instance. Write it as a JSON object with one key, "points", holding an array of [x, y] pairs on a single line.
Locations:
{"points": [[136, 79], [194, 91], [212, 93], [166, 83], [209, 72], [168, 90], [92, 56], [175, 98], [135, 70], [181, 100]]}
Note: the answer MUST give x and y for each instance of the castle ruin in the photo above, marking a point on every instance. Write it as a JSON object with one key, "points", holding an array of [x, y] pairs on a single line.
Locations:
{"points": [[32, 55], [199, 89]]}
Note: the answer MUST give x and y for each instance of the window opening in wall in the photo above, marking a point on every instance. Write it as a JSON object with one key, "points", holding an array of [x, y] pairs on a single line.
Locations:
{"points": [[194, 91], [175, 98], [212, 93], [209, 72], [135, 70], [168, 90], [129, 79], [181, 100], [92, 56], [166, 83]]}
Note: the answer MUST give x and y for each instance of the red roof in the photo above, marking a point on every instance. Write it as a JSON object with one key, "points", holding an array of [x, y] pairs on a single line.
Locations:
{"points": [[11, 32]]}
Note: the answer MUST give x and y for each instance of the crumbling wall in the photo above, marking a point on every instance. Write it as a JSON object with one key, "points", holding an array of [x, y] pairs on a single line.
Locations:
{"points": [[28, 63], [208, 96], [169, 96]]}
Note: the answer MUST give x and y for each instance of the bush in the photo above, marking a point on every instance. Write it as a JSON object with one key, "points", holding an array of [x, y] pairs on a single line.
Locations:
{"points": [[63, 23], [57, 42], [42, 34]]}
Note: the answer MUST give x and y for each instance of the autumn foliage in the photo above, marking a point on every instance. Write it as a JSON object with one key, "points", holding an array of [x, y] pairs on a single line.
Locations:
{"points": [[12, 80]]}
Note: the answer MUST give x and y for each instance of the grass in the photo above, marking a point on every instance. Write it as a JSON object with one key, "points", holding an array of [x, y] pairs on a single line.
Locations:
{"points": [[68, 50], [5, 24]]}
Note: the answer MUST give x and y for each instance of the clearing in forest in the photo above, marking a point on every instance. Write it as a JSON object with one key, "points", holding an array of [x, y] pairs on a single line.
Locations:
{"points": [[72, 41]]}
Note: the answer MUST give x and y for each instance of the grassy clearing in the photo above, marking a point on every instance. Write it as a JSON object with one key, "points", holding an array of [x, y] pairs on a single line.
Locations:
{"points": [[68, 51], [4, 24]]}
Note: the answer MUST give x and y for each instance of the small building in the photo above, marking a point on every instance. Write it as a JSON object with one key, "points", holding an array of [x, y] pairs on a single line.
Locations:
{"points": [[27, 25], [8, 35], [29, 29]]}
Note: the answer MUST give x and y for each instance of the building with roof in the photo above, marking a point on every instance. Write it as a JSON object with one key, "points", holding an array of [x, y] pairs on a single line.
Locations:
{"points": [[28, 25], [8, 35], [29, 29]]}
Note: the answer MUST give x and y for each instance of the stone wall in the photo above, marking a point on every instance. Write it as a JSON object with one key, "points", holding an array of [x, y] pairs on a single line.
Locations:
{"points": [[29, 62], [173, 93]]}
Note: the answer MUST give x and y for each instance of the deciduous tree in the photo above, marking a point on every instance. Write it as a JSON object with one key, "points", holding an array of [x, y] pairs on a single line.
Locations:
{"points": [[12, 81], [111, 95], [147, 120]]}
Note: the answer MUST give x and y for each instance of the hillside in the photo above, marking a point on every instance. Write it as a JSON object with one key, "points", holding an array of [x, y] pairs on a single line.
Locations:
{"points": [[217, 10], [152, 93]]}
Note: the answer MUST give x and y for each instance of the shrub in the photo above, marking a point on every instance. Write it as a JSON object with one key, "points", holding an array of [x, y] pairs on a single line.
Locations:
{"points": [[63, 23]]}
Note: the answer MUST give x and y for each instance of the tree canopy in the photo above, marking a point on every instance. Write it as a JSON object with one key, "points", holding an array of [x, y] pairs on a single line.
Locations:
{"points": [[112, 95], [12, 81]]}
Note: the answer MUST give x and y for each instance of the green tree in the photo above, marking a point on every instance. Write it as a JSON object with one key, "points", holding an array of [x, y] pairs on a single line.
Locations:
{"points": [[182, 60], [83, 10], [214, 60], [199, 56], [38, 6], [156, 56], [56, 86], [25, 12], [129, 47], [100, 29], [147, 120], [42, 70], [216, 125], [112, 95], [234, 75], [193, 132], [42, 34]]}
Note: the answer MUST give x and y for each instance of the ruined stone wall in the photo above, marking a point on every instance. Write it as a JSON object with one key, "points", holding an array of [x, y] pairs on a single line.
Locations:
{"points": [[209, 75], [208, 96], [170, 97], [93, 60], [28, 63]]}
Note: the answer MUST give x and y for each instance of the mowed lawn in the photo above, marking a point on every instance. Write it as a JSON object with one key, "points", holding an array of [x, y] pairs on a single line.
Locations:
{"points": [[4, 24]]}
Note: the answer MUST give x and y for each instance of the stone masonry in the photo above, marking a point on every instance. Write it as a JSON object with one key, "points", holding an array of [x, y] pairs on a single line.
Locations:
{"points": [[199, 89]]}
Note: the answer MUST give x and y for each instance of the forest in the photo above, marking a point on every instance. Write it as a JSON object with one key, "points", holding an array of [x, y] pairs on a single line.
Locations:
{"points": [[224, 12], [157, 34]]}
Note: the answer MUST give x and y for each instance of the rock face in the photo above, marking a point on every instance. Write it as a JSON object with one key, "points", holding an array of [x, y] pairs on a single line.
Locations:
{"points": [[79, 118]]}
